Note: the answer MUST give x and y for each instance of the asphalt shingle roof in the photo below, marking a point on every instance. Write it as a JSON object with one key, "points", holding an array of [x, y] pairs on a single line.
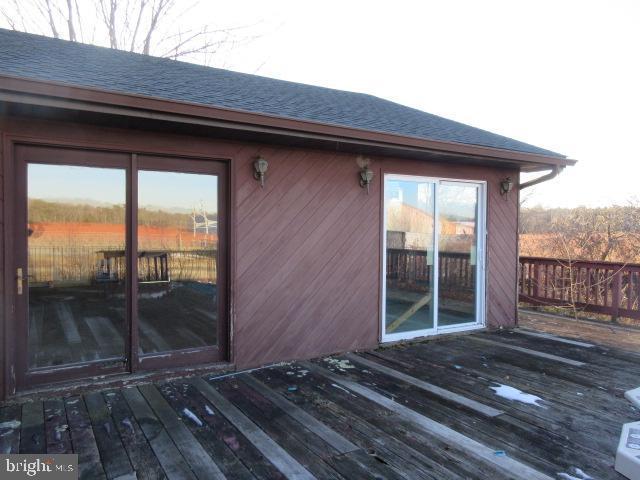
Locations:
{"points": [[48, 59]]}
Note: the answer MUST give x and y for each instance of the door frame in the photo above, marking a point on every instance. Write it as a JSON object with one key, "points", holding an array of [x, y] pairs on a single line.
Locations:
{"points": [[198, 355], [16, 334], [481, 238]]}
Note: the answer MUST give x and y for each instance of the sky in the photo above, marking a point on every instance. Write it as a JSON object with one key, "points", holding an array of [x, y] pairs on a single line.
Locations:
{"points": [[561, 74], [169, 191]]}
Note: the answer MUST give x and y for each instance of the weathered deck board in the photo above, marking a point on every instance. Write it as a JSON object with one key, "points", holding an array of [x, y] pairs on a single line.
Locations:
{"points": [[196, 456], [10, 423], [374, 430], [57, 433], [32, 435], [415, 411], [476, 450], [112, 452], [519, 438], [140, 453], [337, 441], [233, 454], [83, 440], [307, 449], [279, 457], [172, 461]]}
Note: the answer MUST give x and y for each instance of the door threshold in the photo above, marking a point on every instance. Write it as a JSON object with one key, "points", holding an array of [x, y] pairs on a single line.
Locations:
{"points": [[118, 380], [443, 334]]}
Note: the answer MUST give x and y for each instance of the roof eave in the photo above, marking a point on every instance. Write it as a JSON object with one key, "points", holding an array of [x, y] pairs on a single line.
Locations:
{"points": [[49, 93]]}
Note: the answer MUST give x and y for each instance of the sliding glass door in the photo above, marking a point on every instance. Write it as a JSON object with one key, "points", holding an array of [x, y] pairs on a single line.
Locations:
{"points": [[120, 263], [433, 256]]}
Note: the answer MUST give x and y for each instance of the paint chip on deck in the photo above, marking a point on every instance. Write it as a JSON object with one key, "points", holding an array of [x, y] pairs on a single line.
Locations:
{"points": [[188, 413], [577, 474], [13, 424]]}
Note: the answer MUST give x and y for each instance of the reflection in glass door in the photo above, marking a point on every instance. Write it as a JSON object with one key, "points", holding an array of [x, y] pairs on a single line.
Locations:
{"points": [[410, 237], [119, 264], [457, 253], [177, 261], [427, 219], [76, 302]]}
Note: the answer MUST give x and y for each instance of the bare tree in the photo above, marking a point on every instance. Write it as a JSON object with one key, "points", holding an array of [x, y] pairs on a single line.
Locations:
{"points": [[162, 28]]}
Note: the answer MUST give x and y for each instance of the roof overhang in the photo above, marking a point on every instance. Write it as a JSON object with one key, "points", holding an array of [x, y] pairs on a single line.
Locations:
{"points": [[58, 96]]}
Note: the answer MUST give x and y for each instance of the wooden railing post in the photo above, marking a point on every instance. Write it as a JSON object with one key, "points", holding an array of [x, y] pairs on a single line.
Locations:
{"points": [[616, 294]]}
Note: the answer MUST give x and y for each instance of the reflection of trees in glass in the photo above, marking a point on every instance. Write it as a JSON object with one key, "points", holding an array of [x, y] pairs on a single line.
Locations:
{"points": [[44, 211]]}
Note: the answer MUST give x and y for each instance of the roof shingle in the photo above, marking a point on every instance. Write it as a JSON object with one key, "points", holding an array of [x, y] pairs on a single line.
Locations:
{"points": [[42, 58]]}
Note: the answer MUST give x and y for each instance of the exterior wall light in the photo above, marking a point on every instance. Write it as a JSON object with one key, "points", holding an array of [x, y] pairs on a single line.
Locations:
{"points": [[366, 174], [260, 169], [506, 186]]}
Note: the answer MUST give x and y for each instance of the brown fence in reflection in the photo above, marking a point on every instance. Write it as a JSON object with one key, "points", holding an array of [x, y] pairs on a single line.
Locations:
{"points": [[94, 264], [608, 288], [411, 269]]}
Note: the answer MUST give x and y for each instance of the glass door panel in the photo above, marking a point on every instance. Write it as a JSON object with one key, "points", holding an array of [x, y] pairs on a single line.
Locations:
{"points": [[414, 302], [177, 261], [409, 231], [76, 269], [457, 253]]}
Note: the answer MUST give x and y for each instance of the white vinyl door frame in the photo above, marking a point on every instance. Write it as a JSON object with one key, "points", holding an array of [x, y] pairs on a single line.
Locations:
{"points": [[481, 239]]}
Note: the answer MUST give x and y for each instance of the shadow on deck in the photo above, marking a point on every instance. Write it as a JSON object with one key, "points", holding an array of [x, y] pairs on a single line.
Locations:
{"points": [[487, 405]]}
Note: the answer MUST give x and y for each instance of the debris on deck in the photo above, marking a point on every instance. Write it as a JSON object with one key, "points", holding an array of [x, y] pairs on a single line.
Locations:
{"points": [[511, 393]]}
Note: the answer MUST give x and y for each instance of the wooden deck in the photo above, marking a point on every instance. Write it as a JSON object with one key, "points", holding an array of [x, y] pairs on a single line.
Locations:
{"points": [[446, 409], [604, 333]]}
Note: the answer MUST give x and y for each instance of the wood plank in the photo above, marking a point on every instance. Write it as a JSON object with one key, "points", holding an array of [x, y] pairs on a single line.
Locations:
{"points": [[198, 459], [57, 433], [115, 460], [576, 423], [234, 454], [10, 423], [270, 449], [472, 447], [429, 387], [333, 438], [145, 463], [521, 439], [609, 358], [555, 338], [356, 464], [304, 446], [388, 442], [83, 440], [32, 436], [528, 351], [172, 461]]}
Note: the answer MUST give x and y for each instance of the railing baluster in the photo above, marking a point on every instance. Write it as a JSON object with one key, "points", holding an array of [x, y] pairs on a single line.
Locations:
{"points": [[609, 288]]}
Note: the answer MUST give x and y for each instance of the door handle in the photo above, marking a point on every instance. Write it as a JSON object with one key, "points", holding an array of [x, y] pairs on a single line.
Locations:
{"points": [[19, 279]]}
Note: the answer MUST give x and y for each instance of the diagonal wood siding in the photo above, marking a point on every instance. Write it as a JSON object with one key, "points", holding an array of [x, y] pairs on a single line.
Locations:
{"points": [[305, 269]]}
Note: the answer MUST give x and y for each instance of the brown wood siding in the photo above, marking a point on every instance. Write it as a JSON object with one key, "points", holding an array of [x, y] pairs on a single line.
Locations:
{"points": [[305, 250]]}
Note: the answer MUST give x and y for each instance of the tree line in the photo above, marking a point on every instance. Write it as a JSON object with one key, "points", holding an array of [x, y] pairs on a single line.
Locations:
{"points": [[44, 211], [603, 234]]}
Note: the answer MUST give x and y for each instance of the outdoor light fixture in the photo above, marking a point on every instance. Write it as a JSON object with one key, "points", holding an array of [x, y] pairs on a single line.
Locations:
{"points": [[366, 174], [506, 186], [260, 169]]}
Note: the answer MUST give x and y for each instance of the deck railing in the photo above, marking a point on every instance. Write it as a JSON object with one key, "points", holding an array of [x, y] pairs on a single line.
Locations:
{"points": [[608, 288], [413, 267], [52, 265]]}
